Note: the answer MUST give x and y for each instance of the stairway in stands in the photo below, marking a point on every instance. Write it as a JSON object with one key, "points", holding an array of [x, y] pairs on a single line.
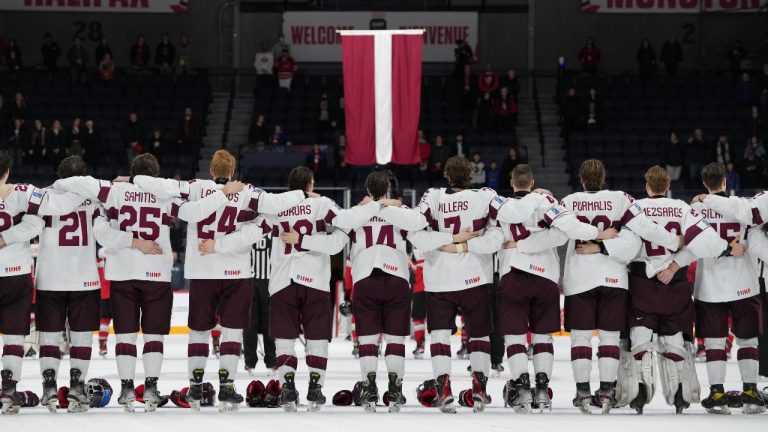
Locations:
{"points": [[216, 131], [553, 176]]}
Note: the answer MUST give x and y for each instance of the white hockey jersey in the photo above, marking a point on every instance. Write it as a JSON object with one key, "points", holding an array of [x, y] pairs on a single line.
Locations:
{"points": [[728, 278], [19, 224], [605, 209], [139, 214], [241, 207]]}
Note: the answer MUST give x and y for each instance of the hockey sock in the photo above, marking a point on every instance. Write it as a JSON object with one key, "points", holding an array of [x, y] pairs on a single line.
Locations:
{"points": [[285, 351], [639, 336], [517, 355], [317, 357], [716, 360], [229, 349], [543, 353], [608, 355], [197, 350], [394, 355], [419, 330], [480, 354], [104, 329], [353, 330], [80, 351], [13, 352], [749, 359], [368, 351], [581, 355], [440, 350], [50, 354], [125, 352], [152, 355]]}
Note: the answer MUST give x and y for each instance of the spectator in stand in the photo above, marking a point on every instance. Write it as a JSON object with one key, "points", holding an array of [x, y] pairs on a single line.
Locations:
{"points": [[258, 133], [468, 89], [754, 163], [440, 154], [646, 59], [280, 46], [462, 55], [56, 143], [697, 154], [425, 152], [755, 124], [505, 110], [340, 154], [78, 58], [132, 136], [264, 62], [732, 178], [183, 55], [316, 160], [674, 156], [75, 132], [571, 113], [478, 171], [511, 83], [90, 140], [107, 68], [19, 107], [755, 146], [590, 57], [12, 54], [735, 56], [460, 148], [340, 115], [140, 54], [488, 82], [671, 55], [723, 152], [102, 49], [165, 54], [324, 128], [285, 68], [485, 112], [512, 160], [592, 108], [747, 90], [492, 175], [156, 142], [14, 61], [278, 137], [51, 51], [188, 132], [36, 150], [19, 140]]}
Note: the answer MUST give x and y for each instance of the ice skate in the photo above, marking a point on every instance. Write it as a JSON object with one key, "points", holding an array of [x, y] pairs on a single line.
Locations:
{"points": [[251, 370], [195, 393], [517, 394], [50, 396], [583, 398], [315, 397], [370, 395], [289, 397], [497, 369], [462, 353], [444, 398], [716, 402], [152, 397], [77, 397], [356, 350], [395, 396], [680, 402], [605, 396], [229, 399], [479, 395], [418, 353], [641, 400], [127, 395], [752, 400], [10, 399], [541, 398]]}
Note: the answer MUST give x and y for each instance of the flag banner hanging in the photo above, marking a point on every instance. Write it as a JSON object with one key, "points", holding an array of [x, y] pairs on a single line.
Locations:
{"points": [[382, 95]]}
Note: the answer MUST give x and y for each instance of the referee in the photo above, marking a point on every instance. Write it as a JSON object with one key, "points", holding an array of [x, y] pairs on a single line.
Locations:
{"points": [[259, 322]]}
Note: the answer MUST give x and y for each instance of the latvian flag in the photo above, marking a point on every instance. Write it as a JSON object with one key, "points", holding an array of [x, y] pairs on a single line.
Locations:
{"points": [[382, 89]]}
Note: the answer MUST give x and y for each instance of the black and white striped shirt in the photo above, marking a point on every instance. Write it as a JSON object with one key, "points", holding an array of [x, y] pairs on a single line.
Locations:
{"points": [[261, 251]]}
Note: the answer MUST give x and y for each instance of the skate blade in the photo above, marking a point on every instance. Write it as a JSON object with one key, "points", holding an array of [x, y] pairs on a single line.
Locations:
{"points": [[606, 408], [448, 408], [128, 407], [418, 356], [150, 407], [723, 410], [9, 408], [585, 408], [752, 409], [478, 407], [228, 407], [370, 407], [394, 408], [313, 407], [52, 406], [194, 405], [522, 409], [289, 407], [76, 407]]}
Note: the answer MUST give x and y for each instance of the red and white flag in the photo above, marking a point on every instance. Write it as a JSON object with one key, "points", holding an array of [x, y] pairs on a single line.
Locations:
{"points": [[382, 95]]}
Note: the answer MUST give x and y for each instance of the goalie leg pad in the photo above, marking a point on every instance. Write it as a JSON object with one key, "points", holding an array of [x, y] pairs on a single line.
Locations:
{"points": [[678, 370]]}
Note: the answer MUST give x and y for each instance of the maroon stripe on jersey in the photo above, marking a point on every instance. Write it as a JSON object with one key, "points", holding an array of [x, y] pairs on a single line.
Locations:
{"points": [[229, 348], [628, 216], [320, 226], [33, 208], [581, 352], [125, 349], [317, 362], [480, 346], [748, 353], [275, 230], [50, 351], [17, 218], [246, 216], [691, 233], [438, 349], [639, 355], [516, 349], [404, 234], [48, 221], [492, 211], [479, 224], [167, 220], [80, 353], [608, 351], [103, 193], [716, 355], [428, 216], [14, 350], [329, 217], [353, 236], [674, 357], [153, 347], [395, 349], [254, 205], [267, 228], [112, 213], [542, 348], [198, 350], [287, 360], [756, 218], [368, 350], [175, 209]]}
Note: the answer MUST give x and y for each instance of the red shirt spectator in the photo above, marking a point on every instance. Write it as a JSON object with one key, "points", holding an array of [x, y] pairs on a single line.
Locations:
{"points": [[589, 56], [504, 105], [285, 67], [488, 82], [425, 152]]}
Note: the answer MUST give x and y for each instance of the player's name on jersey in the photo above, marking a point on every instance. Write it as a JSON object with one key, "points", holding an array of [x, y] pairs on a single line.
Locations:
{"points": [[453, 207]]}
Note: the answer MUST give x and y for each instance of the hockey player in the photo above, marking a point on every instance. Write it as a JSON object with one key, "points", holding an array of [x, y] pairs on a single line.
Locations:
{"points": [[595, 285], [460, 280], [660, 300], [141, 293], [726, 288], [220, 284], [418, 303]]}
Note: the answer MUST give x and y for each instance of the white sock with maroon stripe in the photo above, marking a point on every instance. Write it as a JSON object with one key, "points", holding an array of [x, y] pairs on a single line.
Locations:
{"points": [[198, 350], [152, 355], [285, 350], [317, 357], [749, 359], [608, 355], [716, 360], [581, 355], [440, 350], [517, 355], [543, 353], [394, 355], [13, 352], [368, 351], [229, 350], [50, 354], [125, 352], [480, 355], [81, 346]]}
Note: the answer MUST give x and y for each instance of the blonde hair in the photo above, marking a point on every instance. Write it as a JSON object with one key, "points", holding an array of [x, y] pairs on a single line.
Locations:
{"points": [[658, 179], [223, 164]]}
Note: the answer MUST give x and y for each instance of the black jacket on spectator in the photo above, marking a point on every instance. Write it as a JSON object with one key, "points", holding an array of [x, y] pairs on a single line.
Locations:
{"points": [[646, 60], [671, 54], [258, 134], [165, 53], [19, 139], [513, 85], [132, 133], [90, 140], [724, 151], [75, 53], [51, 53], [674, 154], [698, 152], [507, 165], [101, 51], [756, 126]]}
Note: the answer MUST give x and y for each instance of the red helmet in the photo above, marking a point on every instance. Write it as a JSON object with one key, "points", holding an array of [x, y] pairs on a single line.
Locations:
{"points": [[254, 395], [343, 398]]}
